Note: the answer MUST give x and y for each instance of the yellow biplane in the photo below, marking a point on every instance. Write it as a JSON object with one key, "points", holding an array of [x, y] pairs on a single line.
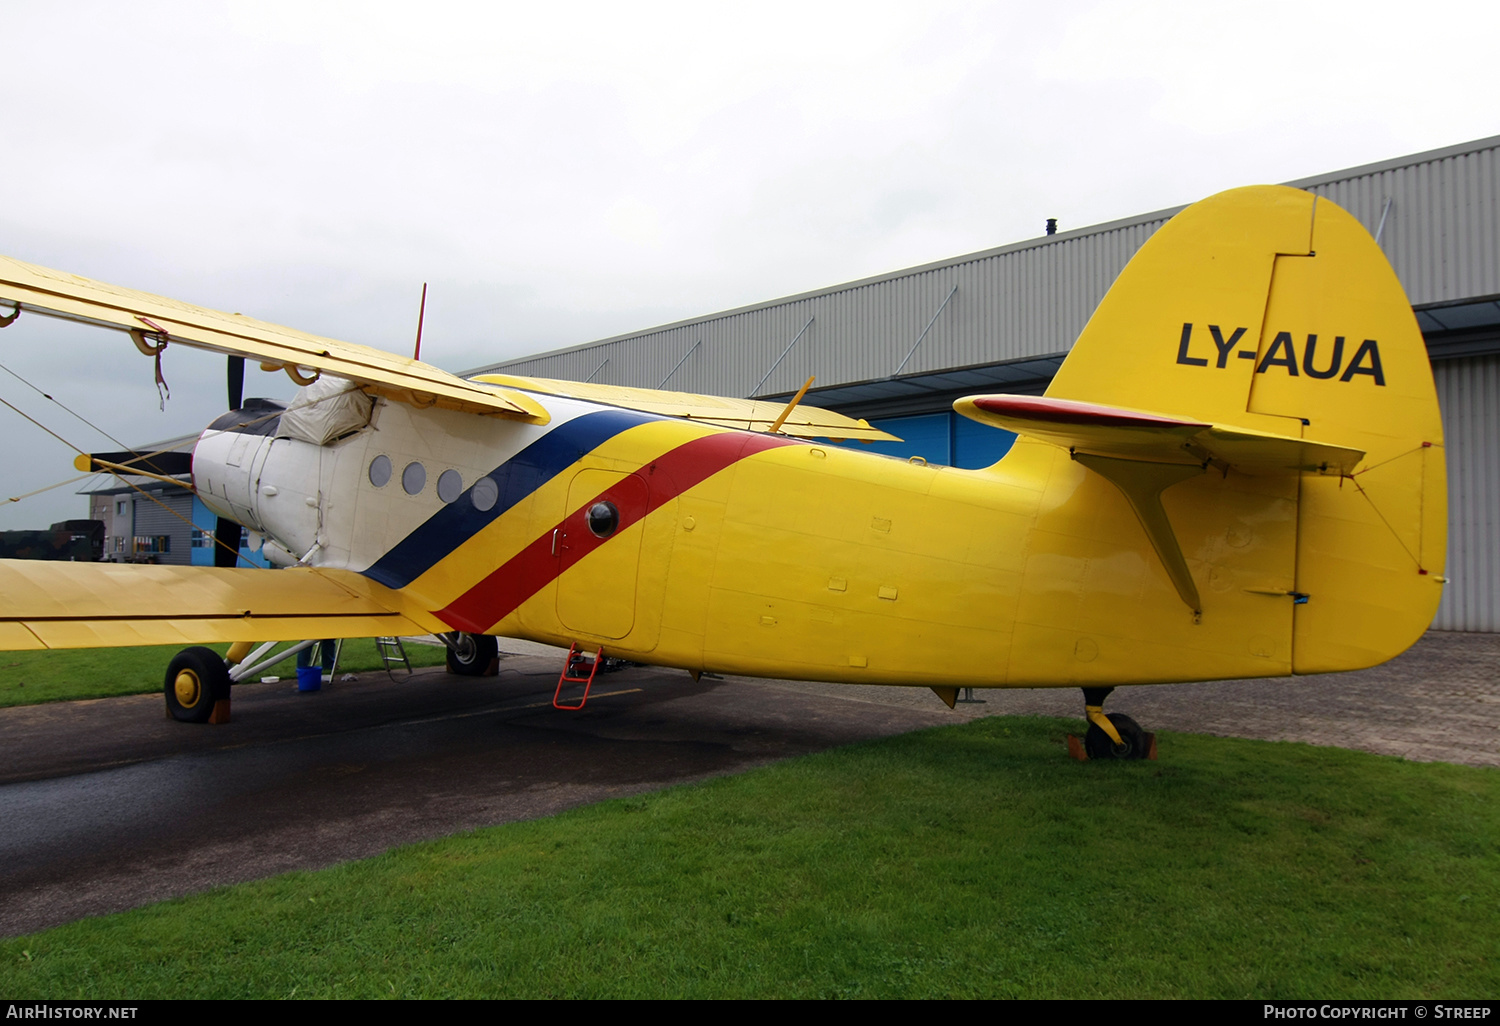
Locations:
{"points": [[1238, 472]]}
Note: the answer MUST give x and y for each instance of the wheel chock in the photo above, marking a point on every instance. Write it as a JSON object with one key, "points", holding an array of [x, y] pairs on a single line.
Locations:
{"points": [[220, 713]]}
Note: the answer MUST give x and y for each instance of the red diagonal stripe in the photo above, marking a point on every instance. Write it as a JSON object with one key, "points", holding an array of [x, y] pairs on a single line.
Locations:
{"points": [[531, 569]]}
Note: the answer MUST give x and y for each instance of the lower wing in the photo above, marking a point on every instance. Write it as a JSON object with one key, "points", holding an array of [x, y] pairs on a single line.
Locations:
{"points": [[47, 604]]}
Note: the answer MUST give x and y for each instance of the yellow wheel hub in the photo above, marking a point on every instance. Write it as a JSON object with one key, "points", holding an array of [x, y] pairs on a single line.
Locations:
{"points": [[188, 688]]}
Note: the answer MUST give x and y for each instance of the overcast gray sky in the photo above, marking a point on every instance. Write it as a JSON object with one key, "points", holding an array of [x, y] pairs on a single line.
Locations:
{"points": [[564, 174]]}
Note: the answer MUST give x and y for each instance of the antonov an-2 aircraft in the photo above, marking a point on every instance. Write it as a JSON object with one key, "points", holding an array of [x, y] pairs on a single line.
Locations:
{"points": [[1238, 472]]}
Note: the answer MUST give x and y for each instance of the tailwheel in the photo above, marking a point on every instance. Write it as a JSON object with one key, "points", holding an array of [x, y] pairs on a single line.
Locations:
{"points": [[1100, 745], [1112, 735], [197, 687]]}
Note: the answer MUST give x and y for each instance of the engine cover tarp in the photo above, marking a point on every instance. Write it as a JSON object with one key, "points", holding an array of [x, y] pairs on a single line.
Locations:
{"points": [[327, 409]]}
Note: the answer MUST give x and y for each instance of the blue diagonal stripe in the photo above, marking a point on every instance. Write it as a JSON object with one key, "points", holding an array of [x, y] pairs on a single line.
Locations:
{"points": [[517, 478]]}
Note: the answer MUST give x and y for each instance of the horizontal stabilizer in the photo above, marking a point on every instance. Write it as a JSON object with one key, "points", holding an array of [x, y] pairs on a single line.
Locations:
{"points": [[1140, 435], [153, 319], [745, 414]]}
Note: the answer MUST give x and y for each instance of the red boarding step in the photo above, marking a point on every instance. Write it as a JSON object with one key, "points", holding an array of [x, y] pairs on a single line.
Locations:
{"points": [[577, 657]]}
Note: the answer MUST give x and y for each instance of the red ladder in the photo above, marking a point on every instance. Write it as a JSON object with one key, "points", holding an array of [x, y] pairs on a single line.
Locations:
{"points": [[575, 652]]}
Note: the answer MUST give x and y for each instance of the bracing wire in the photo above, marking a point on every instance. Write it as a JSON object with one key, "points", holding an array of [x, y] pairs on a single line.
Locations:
{"points": [[48, 488], [256, 422], [44, 427], [59, 402]]}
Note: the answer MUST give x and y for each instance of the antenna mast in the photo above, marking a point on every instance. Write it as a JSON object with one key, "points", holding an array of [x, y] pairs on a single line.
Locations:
{"points": [[421, 313]]}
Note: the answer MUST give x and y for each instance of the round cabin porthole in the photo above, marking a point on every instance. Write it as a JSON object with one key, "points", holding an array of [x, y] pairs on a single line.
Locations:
{"points": [[450, 486], [603, 518], [484, 494], [414, 478], [380, 471]]}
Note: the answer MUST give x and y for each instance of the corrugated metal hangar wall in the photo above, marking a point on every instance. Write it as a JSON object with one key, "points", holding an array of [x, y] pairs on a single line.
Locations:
{"points": [[900, 347]]}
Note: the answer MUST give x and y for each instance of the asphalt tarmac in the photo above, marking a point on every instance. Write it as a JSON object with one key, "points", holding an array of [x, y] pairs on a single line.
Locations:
{"points": [[107, 805]]}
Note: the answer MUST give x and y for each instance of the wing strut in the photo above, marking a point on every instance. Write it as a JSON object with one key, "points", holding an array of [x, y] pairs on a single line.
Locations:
{"points": [[792, 405]]}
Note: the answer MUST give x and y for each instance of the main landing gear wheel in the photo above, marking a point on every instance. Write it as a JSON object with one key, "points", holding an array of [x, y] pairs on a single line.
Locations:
{"points": [[196, 679], [1100, 745], [470, 655]]}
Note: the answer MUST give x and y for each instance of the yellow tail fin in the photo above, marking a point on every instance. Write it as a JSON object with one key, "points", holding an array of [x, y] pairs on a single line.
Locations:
{"points": [[1271, 310]]}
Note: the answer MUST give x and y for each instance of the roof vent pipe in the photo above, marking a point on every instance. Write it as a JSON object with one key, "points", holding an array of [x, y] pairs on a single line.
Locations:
{"points": [[1051, 226]]}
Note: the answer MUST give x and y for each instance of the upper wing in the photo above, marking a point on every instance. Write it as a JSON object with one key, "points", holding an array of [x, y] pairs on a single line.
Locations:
{"points": [[156, 318], [746, 414], [1135, 434], [46, 604]]}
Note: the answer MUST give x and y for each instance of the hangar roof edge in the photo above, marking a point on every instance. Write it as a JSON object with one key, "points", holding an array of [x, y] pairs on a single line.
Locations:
{"points": [[1358, 171]]}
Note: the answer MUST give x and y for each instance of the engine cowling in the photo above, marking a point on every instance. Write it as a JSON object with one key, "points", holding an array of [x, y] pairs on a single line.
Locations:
{"points": [[244, 472]]}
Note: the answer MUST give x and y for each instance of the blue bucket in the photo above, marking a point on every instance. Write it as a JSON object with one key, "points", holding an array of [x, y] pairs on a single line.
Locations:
{"points": [[309, 678]]}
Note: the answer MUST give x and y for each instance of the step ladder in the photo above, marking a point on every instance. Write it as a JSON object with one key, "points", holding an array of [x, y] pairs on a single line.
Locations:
{"points": [[392, 653], [577, 662]]}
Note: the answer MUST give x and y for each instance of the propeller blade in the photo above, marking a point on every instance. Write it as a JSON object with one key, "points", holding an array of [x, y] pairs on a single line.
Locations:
{"points": [[227, 533], [236, 382], [226, 542], [169, 464]]}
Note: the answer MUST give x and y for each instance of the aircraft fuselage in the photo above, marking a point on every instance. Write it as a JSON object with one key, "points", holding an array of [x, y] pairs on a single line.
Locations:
{"points": [[737, 552]]}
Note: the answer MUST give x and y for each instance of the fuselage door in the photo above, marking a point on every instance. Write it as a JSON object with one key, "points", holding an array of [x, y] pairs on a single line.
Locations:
{"points": [[598, 548]]}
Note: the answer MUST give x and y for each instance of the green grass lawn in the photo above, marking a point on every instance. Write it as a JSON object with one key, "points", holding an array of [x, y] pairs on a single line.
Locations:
{"points": [[966, 861], [65, 674]]}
